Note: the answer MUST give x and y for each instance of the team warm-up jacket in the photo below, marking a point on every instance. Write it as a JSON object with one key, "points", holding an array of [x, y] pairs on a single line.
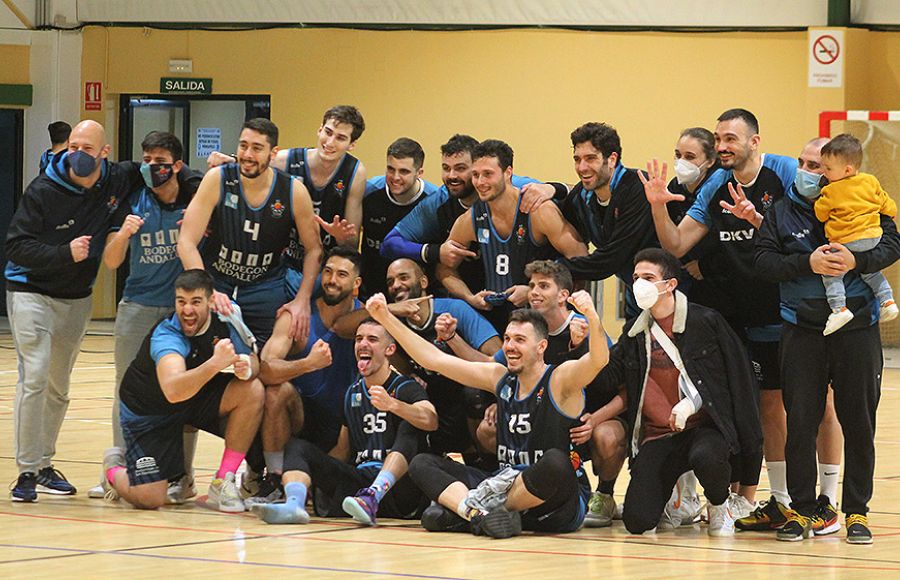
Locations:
{"points": [[789, 233], [618, 230], [715, 360], [53, 212]]}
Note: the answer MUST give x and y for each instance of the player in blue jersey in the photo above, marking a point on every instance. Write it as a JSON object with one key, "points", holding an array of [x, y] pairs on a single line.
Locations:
{"points": [[538, 404], [508, 238], [732, 206], [149, 236], [306, 378], [383, 417], [251, 210], [59, 141], [192, 369], [389, 198]]}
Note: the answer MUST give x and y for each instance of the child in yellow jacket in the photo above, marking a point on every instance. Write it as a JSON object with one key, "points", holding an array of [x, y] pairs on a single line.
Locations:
{"points": [[850, 206]]}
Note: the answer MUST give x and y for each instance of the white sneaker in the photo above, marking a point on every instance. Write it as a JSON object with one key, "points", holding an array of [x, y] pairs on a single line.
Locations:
{"points": [[837, 320], [224, 496], [740, 506], [181, 490], [889, 311], [620, 507], [97, 492], [681, 510], [721, 520]]}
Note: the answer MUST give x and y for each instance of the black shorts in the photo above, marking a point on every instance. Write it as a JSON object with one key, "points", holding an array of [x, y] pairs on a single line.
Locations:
{"points": [[766, 364], [154, 444], [319, 425]]}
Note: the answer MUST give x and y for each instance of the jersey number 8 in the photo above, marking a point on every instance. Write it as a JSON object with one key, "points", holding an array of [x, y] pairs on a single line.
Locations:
{"points": [[502, 267]]}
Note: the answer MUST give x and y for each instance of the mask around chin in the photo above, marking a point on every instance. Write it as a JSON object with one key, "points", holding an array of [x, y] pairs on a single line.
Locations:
{"points": [[82, 164]]}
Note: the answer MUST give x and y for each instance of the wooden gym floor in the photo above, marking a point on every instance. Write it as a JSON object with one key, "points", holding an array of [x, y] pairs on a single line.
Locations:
{"points": [[81, 537]]}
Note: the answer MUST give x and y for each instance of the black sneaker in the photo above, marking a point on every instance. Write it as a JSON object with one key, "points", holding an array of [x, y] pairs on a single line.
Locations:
{"points": [[827, 520], [499, 523], [50, 480], [437, 518], [858, 531], [796, 528], [25, 489], [270, 491]]}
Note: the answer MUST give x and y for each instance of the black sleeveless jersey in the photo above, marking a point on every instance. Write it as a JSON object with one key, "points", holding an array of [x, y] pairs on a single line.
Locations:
{"points": [[246, 243], [528, 427], [328, 201], [380, 214], [470, 270], [372, 432], [504, 260]]}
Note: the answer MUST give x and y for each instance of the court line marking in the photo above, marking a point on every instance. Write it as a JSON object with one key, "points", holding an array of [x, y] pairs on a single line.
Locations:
{"points": [[230, 533], [82, 552]]}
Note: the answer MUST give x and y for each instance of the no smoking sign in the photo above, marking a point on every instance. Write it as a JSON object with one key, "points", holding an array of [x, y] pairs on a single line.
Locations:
{"points": [[826, 58]]}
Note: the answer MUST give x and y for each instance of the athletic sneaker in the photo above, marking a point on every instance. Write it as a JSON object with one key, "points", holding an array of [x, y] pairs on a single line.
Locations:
{"points": [[858, 529], [499, 524], [250, 482], [680, 510], [50, 480], [796, 528], [97, 492], [721, 520], [362, 507], [437, 518], [269, 490], [25, 489], [837, 320], [181, 490], [601, 510], [112, 457], [889, 311], [826, 521], [740, 505], [770, 515], [620, 508], [223, 495]]}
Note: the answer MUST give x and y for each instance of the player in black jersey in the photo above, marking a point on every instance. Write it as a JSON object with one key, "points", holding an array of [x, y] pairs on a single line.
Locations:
{"points": [[508, 238], [384, 416], [251, 209], [181, 377], [389, 198], [724, 204], [538, 405]]}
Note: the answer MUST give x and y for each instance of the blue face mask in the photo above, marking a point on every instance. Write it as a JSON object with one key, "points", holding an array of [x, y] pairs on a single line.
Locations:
{"points": [[82, 164], [808, 184]]}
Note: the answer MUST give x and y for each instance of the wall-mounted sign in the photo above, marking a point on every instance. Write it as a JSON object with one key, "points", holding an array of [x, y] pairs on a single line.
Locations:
{"points": [[826, 58], [185, 86], [93, 96], [209, 139]]}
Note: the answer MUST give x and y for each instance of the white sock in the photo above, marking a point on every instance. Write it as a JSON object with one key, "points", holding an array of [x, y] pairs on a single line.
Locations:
{"points": [[274, 461], [828, 481], [778, 481], [463, 510]]}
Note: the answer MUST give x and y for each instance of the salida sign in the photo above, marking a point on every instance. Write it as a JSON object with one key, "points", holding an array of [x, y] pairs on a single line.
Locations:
{"points": [[185, 86]]}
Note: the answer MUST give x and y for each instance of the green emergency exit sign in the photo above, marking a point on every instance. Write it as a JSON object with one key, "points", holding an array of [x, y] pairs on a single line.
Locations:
{"points": [[184, 86]]}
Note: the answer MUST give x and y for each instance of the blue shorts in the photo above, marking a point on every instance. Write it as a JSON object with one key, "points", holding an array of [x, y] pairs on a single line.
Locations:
{"points": [[259, 303]]}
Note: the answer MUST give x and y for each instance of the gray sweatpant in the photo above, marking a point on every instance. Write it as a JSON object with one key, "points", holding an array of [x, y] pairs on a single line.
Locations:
{"points": [[47, 333]]}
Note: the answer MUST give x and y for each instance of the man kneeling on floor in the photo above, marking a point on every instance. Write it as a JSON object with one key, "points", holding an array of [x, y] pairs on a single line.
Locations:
{"points": [[691, 397], [385, 415], [192, 369], [537, 405]]}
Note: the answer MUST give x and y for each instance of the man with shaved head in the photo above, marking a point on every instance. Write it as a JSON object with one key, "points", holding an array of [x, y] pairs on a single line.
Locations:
{"points": [[54, 245]]}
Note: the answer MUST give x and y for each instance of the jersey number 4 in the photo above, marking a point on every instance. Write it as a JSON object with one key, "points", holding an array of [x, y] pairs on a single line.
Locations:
{"points": [[374, 423], [252, 228]]}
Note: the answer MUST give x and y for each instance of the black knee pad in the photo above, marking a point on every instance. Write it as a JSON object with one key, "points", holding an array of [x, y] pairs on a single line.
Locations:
{"points": [[552, 471]]}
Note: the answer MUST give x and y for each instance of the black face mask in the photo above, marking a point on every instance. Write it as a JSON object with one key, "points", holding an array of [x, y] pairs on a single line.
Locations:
{"points": [[156, 174]]}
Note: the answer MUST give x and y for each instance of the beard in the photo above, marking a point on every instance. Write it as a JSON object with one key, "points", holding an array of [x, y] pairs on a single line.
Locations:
{"points": [[331, 300], [260, 169]]}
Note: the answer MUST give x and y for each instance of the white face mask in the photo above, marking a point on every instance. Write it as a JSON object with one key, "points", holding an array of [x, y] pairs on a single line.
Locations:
{"points": [[646, 294], [686, 172]]}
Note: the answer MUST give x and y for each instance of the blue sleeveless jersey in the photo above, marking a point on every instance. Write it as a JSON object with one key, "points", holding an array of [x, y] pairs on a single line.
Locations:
{"points": [[246, 243], [372, 432], [504, 260]]}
